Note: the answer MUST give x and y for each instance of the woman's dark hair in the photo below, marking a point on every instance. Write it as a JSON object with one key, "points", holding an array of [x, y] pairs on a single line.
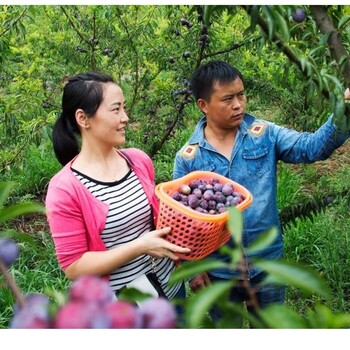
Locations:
{"points": [[83, 91], [205, 76]]}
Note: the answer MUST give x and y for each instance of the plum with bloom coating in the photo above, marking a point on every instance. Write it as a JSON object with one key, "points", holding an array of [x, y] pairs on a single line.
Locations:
{"points": [[91, 288], [299, 15], [157, 313], [9, 251], [78, 314], [34, 315], [123, 315]]}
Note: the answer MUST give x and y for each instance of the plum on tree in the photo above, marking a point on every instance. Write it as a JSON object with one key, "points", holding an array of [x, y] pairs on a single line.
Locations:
{"points": [[9, 251], [299, 15]]}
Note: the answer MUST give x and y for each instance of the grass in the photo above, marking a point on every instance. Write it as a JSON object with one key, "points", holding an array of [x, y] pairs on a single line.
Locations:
{"points": [[321, 240], [323, 243]]}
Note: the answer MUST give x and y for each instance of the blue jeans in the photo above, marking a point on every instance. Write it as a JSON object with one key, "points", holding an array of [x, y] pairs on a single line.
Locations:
{"points": [[265, 295], [180, 296]]}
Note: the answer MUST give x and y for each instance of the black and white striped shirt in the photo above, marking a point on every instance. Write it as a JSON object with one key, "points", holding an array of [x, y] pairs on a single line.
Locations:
{"points": [[129, 217]]}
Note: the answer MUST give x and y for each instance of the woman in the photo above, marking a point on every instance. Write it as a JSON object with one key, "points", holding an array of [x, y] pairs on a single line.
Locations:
{"points": [[101, 205]]}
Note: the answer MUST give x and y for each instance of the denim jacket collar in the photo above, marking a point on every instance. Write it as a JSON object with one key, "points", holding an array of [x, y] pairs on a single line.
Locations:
{"points": [[198, 135]]}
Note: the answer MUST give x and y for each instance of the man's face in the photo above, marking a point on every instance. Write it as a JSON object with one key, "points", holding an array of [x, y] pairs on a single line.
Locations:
{"points": [[226, 107]]}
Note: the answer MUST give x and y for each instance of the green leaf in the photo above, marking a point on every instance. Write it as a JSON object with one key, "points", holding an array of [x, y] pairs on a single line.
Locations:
{"points": [[339, 110], [235, 254], [343, 21], [208, 9], [234, 313], [311, 88], [192, 268], [324, 39], [317, 51], [323, 317], [254, 14], [200, 303], [269, 20], [18, 236], [235, 224], [263, 241], [20, 209], [296, 274], [133, 295], [5, 190], [283, 26], [278, 316]]}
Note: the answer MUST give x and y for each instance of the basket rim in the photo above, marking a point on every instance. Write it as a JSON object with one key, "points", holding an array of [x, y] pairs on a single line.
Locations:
{"points": [[163, 186]]}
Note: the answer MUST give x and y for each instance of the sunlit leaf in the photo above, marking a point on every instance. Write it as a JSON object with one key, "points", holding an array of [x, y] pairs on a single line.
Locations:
{"points": [[263, 241], [133, 295], [323, 317], [235, 224], [279, 316], [296, 274], [343, 21], [189, 269], [5, 190], [16, 210]]}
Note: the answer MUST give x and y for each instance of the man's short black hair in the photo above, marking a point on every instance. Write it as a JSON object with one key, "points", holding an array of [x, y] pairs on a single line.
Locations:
{"points": [[205, 76]]}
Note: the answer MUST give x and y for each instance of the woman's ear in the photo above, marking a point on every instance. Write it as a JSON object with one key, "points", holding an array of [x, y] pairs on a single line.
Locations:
{"points": [[82, 119], [202, 105]]}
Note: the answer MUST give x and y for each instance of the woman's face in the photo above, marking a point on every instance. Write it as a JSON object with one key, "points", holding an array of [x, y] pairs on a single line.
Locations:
{"points": [[108, 124]]}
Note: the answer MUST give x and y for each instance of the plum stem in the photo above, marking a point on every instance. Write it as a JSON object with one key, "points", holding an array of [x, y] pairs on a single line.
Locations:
{"points": [[12, 284]]}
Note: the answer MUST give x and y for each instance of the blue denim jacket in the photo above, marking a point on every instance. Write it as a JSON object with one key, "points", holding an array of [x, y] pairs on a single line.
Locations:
{"points": [[259, 145]]}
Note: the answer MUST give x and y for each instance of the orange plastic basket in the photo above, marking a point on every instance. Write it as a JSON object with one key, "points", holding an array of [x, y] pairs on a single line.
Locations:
{"points": [[202, 233]]}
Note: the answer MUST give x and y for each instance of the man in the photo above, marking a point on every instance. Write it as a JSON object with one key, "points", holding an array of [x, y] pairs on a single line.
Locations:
{"points": [[235, 144]]}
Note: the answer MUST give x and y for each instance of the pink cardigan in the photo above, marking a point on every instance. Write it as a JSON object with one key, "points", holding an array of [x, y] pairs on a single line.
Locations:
{"points": [[76, 218]]}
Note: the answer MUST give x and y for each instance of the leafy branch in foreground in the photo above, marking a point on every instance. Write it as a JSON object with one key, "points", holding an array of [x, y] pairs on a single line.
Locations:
{"points": [[280, 272]]}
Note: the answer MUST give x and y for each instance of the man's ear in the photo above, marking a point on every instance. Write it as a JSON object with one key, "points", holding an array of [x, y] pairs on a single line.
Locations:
{"points": [[202, 105], [82, 119]]}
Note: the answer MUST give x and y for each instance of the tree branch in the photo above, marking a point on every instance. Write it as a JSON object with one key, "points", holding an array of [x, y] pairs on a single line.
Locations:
{"points": [[12, 285], [336, 47], [285, 49], [74, 26], [14, 22]]}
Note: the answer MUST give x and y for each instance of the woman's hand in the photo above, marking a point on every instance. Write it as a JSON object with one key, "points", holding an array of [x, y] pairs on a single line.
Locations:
{"points": [[155, 245]]}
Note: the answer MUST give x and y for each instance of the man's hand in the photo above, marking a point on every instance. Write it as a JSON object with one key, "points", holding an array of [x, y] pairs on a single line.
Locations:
{"points": [[199, 282], [347, 94]]}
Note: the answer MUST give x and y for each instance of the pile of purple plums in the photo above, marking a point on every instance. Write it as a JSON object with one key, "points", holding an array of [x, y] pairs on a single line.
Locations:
{"points": [[208, 196]]}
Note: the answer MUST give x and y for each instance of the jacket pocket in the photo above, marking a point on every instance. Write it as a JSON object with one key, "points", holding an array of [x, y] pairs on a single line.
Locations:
{"points": [[256, 160]]}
